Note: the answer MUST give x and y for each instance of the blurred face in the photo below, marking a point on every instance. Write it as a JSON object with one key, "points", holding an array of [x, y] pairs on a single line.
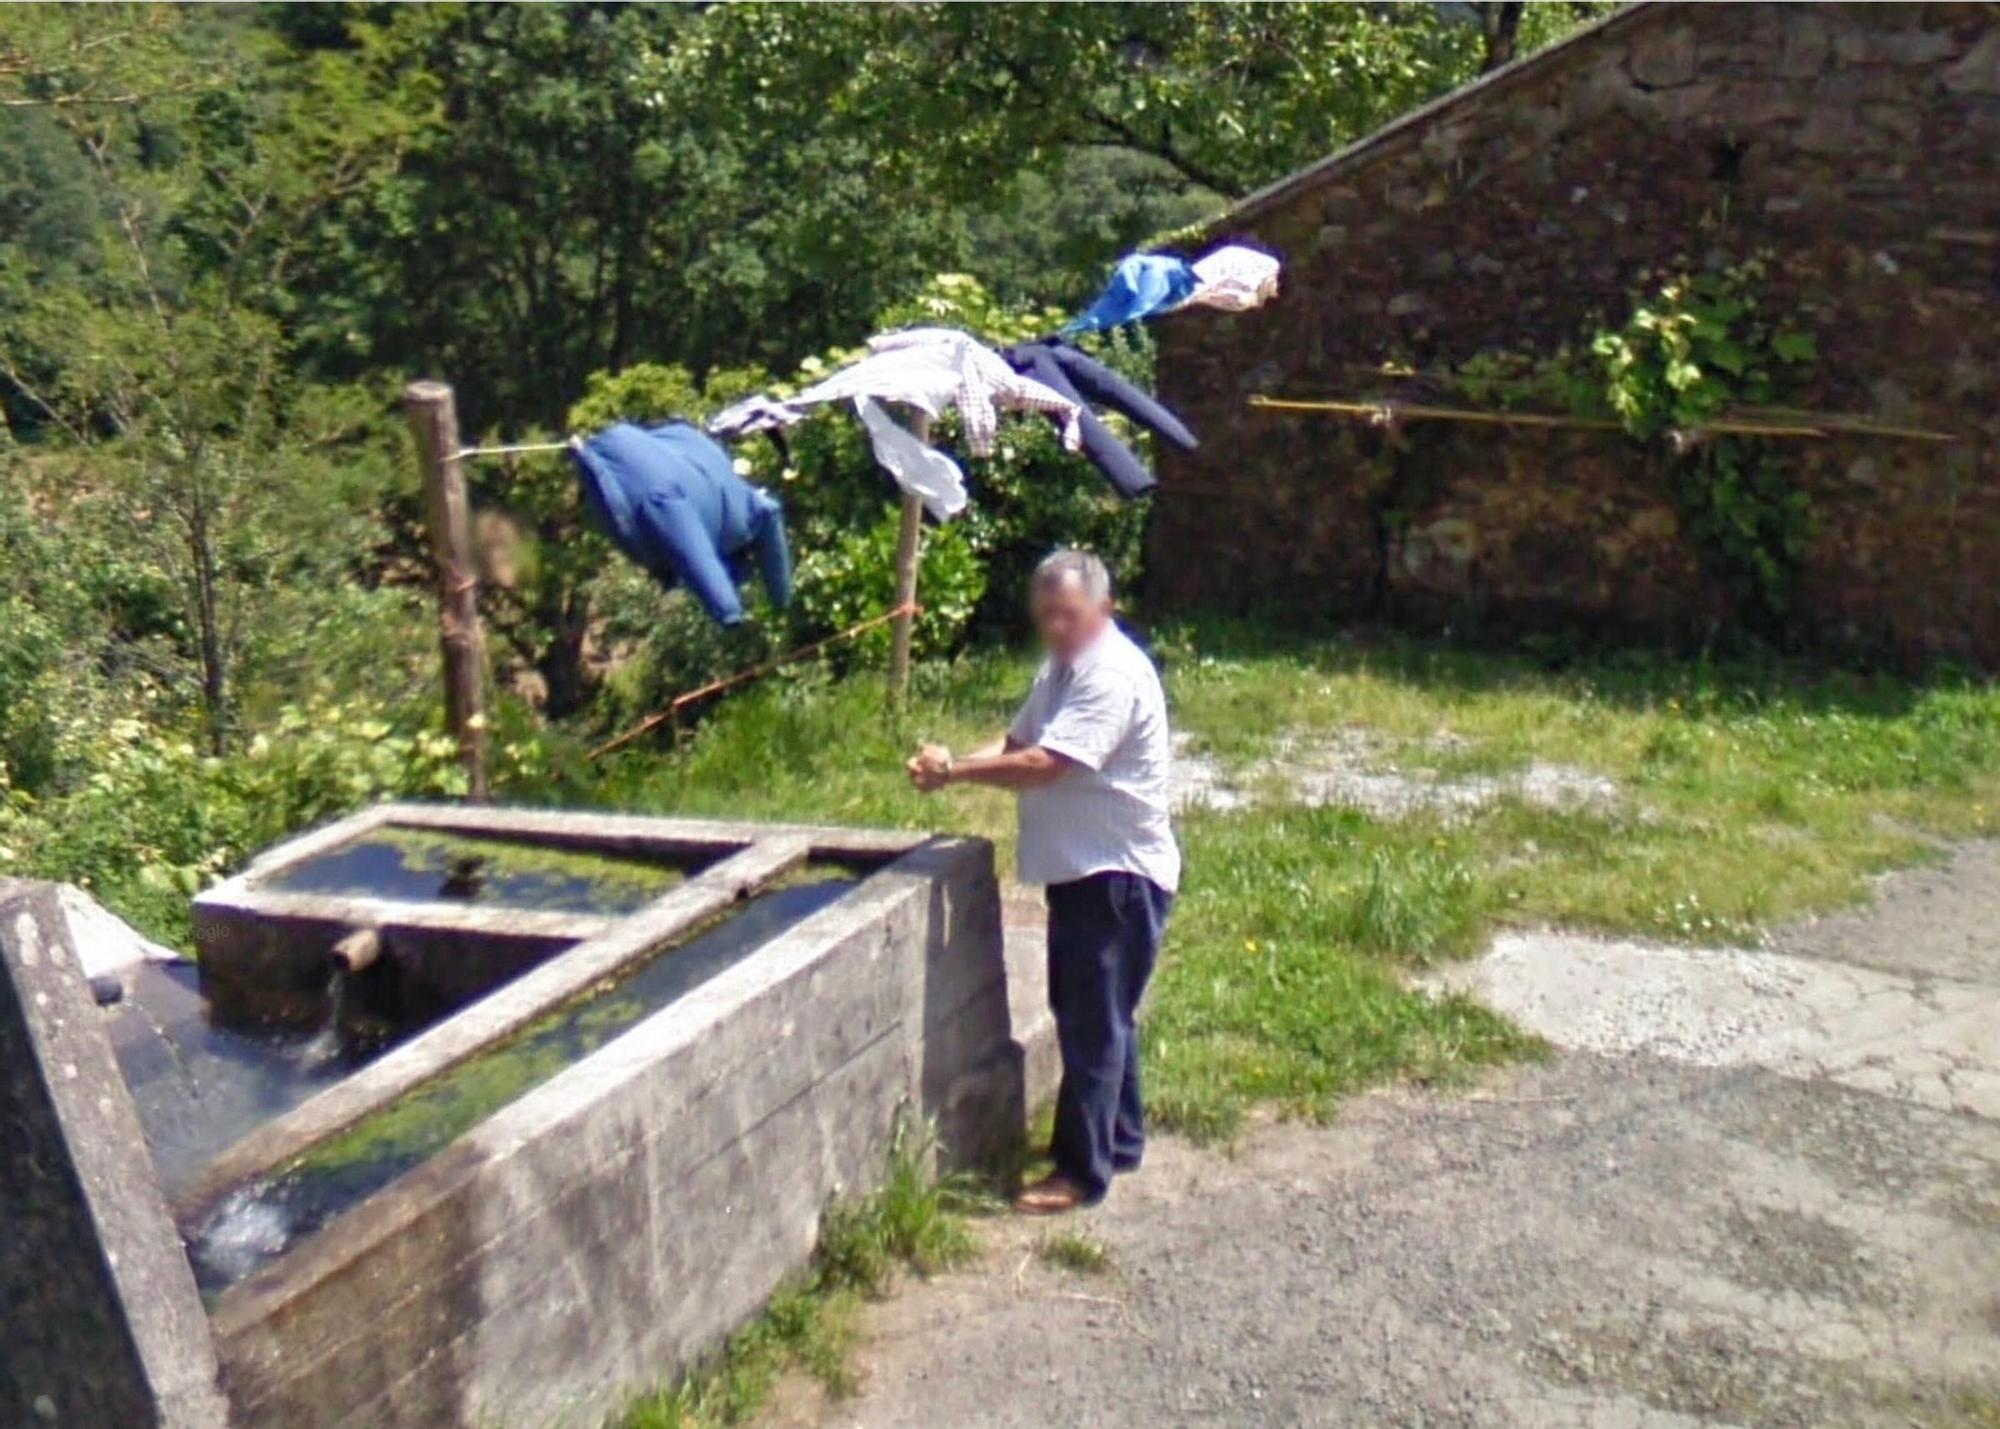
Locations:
{"points": [[1067, 618]]}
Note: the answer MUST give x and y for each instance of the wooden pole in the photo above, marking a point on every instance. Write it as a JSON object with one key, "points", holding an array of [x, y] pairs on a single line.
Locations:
{"points": [[909, 559], [434, 422]]}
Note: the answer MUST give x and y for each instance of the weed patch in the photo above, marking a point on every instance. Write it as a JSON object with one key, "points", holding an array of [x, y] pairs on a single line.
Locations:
{"points": [[914, 1222], [1075, 1252]]}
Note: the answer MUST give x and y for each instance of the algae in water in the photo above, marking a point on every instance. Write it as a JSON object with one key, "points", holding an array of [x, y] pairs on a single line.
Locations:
{"points": [[422, 865]]}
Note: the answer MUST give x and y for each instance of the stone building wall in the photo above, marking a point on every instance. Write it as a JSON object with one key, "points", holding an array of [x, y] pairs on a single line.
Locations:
{"points": [[1857, 143]]}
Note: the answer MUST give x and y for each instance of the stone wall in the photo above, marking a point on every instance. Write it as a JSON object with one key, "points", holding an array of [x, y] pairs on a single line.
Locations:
{"points": [[1857, 143]]}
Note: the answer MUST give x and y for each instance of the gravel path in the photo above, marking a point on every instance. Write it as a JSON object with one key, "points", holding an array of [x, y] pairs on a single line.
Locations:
{"points": [[1783, 1212]]}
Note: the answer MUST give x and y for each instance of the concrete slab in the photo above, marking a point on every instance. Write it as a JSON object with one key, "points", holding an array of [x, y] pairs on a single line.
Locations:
{"points": [[1925, 1039], [621, 1217]]}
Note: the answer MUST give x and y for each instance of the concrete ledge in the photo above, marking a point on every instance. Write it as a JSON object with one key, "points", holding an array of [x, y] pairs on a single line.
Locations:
{"points": [[100, 1322]]}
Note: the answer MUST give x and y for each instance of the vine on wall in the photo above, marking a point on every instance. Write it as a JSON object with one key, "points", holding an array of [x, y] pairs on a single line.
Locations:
{"points": [[1694, 347]]}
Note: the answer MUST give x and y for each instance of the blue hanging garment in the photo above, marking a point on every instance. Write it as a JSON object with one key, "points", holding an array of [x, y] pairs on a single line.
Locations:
{"points": [[1142, 286], [670, 499]]}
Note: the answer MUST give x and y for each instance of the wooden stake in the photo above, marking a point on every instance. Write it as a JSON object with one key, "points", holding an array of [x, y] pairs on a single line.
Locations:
{"points": [[434, 423], [909, 559]]}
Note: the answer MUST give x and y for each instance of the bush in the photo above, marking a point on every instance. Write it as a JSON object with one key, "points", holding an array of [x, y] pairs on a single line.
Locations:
{"points": [[157, 820], [854, 578]]}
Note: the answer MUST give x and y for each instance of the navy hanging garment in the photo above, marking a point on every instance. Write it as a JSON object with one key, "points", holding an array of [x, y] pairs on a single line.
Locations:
{"points": [[1083, 379]]}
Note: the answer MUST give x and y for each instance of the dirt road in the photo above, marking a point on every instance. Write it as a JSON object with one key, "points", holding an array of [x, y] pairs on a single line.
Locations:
{"points": [[1756, 1188]]}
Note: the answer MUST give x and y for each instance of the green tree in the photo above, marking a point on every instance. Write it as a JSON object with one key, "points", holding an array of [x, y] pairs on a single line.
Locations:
{"points": [[599, 185], [160, 346]]}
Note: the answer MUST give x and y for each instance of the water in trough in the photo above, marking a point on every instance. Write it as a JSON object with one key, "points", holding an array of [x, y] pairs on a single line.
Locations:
{"points": [[257, 1222]]}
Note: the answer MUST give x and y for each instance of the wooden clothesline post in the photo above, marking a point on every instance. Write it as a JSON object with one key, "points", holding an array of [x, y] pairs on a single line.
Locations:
{"points": [[909, 560], [433, 417]]}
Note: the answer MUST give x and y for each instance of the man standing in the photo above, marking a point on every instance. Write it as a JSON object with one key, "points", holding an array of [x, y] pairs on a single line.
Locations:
{"points": [[1088, 756]]}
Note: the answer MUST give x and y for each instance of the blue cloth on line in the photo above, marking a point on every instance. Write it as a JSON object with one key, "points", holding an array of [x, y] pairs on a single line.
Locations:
{"points": [[1088, 382], [1141, 286], [670, 499]]}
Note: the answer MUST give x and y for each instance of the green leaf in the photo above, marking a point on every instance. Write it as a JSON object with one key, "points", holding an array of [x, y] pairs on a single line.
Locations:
{"points": [[1729, 357], [1795, 346]]}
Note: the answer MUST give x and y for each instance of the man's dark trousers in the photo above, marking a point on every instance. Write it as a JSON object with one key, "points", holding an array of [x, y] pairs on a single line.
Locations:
{"points": [[1104, 934]]}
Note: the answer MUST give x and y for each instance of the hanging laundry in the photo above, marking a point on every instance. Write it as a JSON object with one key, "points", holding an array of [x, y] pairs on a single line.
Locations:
{"points": [[753, 415], [934, 369], [1143, 285], [1234, 278], [923, 471], [670, 499], [1082, 377]]}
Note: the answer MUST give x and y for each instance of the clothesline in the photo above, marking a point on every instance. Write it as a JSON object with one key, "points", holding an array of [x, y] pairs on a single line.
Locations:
{"points": [[513, 448], [716, 687], [1385, 411]]}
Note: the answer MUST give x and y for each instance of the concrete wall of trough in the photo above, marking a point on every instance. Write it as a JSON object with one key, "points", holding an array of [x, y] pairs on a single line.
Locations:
{"points": [[100, 1322], [621, 1219]]}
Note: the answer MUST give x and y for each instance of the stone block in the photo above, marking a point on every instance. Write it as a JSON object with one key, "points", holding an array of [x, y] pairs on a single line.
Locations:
{"points": [[1664, 57], [1804, 47]]}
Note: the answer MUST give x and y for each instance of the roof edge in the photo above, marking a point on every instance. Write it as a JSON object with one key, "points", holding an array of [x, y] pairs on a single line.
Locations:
{"points": [[1260, 201]]}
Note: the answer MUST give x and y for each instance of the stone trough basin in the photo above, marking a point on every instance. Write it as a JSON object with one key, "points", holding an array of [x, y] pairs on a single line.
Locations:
{"points": [[479, 1116]]}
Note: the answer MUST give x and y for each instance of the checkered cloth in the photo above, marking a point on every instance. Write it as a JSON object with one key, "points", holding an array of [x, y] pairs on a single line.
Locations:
{"points": [[1234, 279]]}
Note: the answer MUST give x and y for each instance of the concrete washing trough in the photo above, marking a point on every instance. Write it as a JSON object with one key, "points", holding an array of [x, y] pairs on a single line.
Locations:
{"points": [[476, 1116]]}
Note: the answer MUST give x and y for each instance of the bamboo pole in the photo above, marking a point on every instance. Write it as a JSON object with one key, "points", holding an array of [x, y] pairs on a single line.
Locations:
{"points": [[909, 559], [1386, 411], [433, 417]]}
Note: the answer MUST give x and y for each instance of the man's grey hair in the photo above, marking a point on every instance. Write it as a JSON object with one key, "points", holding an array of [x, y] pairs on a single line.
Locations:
{"points": [[1060, 567]]}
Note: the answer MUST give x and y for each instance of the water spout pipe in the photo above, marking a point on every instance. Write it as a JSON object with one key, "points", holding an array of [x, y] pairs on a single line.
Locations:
{"points": [[357, 951]]}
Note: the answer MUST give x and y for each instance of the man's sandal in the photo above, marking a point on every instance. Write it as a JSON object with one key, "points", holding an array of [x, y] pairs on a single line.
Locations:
{"points": [[1051, 1196]]}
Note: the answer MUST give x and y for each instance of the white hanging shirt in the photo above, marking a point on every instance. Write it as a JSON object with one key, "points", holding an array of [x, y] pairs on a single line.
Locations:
{"points": [[923, 471], [931, 369], [1235, 279]]}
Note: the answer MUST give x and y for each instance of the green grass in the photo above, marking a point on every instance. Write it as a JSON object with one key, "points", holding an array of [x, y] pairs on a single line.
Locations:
{"points": [[914, 1222], [1747, 794], [1074, 1251]]}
